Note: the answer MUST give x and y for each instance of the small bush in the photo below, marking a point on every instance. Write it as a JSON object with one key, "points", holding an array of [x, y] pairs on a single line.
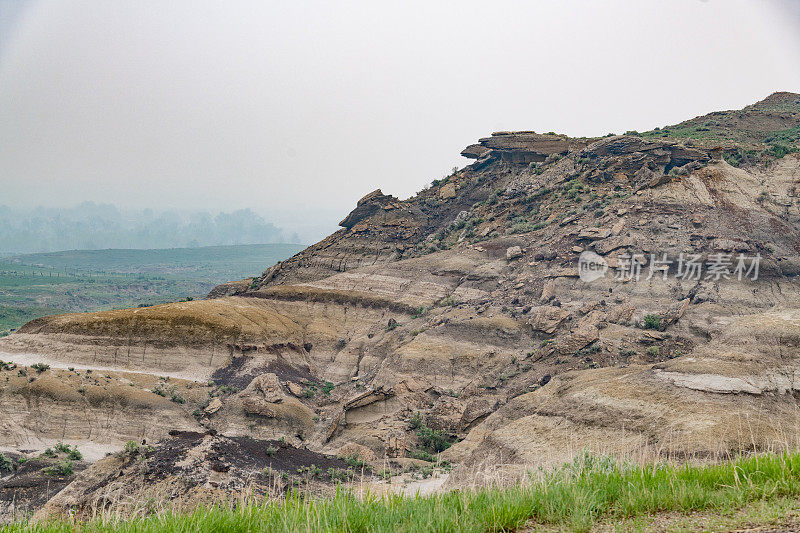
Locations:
{"points": [[62, 448], [271, 451], [340, 475], [354, 461], [40, 367], [64, 468], [779, 150], [327, 387], [74, 454], [5, 464], [448, 301], [71, 452], [652, 322], [131, 448], [433, 439], [422, 455], [589, 350], [416, 421], [312, 471], [171, 392], [177, 398], [738, 157]]}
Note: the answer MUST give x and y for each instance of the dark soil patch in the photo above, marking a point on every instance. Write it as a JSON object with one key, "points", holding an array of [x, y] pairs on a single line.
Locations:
{"points": [[243, 369], [246, 452], [28, 487], [241, 455], [287, 372], [161, 460], [235, 374]]}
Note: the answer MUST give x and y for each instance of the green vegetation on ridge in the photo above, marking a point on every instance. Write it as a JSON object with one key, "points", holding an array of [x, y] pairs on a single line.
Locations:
{"points": [[765, 130]]}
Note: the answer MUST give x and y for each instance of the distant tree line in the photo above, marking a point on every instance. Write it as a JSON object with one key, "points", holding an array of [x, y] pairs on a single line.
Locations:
{"points": [[91, 226]]}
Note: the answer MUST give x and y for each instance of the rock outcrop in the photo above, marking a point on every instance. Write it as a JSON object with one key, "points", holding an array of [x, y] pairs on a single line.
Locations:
{"points": [[368, 206], [521, 147]]}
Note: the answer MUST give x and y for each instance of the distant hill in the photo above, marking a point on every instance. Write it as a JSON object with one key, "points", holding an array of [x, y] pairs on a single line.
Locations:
{"points": [[91, 226], [206, 263]]}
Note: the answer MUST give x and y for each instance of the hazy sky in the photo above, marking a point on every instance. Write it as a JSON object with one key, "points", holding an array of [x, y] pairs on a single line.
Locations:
{"points": [[296, 109]]}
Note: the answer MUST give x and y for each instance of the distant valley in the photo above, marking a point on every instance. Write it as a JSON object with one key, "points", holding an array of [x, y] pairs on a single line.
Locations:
{"points": [[36, 285]]}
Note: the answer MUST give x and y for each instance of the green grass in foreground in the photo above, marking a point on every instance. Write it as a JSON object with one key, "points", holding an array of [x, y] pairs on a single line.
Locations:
{"points": [[577, 496]]}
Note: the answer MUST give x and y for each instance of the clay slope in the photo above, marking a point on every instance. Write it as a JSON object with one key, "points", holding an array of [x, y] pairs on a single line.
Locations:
{"points": [[464, 304]]}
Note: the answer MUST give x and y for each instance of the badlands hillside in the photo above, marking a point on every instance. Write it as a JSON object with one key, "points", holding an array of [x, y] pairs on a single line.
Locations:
{"points": [[454, 325]]}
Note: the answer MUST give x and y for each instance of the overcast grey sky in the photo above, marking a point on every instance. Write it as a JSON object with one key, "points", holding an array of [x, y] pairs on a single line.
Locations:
{"points": [[296, 109]]}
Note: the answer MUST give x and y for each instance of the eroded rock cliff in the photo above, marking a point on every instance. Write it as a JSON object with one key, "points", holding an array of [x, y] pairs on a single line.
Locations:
{"points": [[464, 304]]}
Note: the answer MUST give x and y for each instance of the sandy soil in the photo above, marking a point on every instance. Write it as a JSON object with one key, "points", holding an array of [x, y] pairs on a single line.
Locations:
{"points": [[92, 451], [26, 359], [405, 485]]}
